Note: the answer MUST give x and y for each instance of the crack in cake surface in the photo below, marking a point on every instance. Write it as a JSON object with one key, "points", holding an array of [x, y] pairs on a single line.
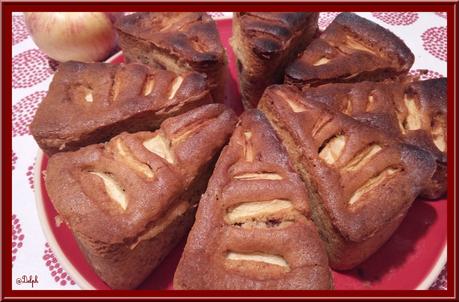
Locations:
{"points": [[113, 188], [413, 119], [160, 146], [438, 133], [148, 86], [175, 87], [248, 147], [372, 183], [363, 157], [258, 257], [260, 210], [332, 149], [321, 61], [126, 156], [258, 176]]}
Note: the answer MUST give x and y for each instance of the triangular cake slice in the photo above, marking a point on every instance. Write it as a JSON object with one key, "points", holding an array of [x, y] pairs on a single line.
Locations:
{"points": [[129, 201], [176, 41], [362, 181], [252, 228], [89, 103], [264, 43], [415, 111], [351, 49]]}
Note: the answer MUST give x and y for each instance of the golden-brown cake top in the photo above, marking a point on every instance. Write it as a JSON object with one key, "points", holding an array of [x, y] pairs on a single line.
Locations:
{"points": [[190, 36], [414, 110], [349, 47], [252, 229], [269, 33], [84, 97], [364, 177], [114, 192]]}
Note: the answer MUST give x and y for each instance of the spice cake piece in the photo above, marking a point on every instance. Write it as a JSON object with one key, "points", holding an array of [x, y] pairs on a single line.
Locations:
{"points": [[351, 49], [415, 111], [264, 43], [129, 201], [253, 229], [361, 181], [89, 103], [176, 41]]}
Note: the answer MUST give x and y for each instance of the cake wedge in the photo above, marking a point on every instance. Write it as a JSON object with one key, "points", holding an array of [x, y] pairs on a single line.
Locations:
{"points": [[351, 49], [414, 111], [253, 229], [89, 103], [176, 41], [129, 201], [361, 180], [264, 43]]}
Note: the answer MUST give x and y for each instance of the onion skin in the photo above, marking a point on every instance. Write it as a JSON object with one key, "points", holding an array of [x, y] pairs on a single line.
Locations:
{"points": [[78, 36]]}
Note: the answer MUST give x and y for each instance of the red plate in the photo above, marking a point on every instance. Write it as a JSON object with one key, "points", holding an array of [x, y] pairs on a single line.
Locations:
{"points": [[411, 259]]}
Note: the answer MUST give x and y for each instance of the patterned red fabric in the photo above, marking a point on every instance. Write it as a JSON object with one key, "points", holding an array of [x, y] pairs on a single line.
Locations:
{"points": [[30, 68], [19, 29], [18, 236], [29, 175], [15, 158], [441, 283], [397, 18], [58, 274], [434, 41], [24, 111], [441, 14]]}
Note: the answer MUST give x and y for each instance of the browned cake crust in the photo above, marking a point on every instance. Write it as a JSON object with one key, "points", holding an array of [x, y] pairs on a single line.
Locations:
{"points": [[176, 41], [264, 43], [89, 103], [129, 201], [252, 227], [362, 182], [414, 111], [351, 49]]}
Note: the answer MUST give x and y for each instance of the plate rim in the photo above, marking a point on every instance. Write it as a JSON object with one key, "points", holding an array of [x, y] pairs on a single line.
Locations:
{"points": [[425, 284]]}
